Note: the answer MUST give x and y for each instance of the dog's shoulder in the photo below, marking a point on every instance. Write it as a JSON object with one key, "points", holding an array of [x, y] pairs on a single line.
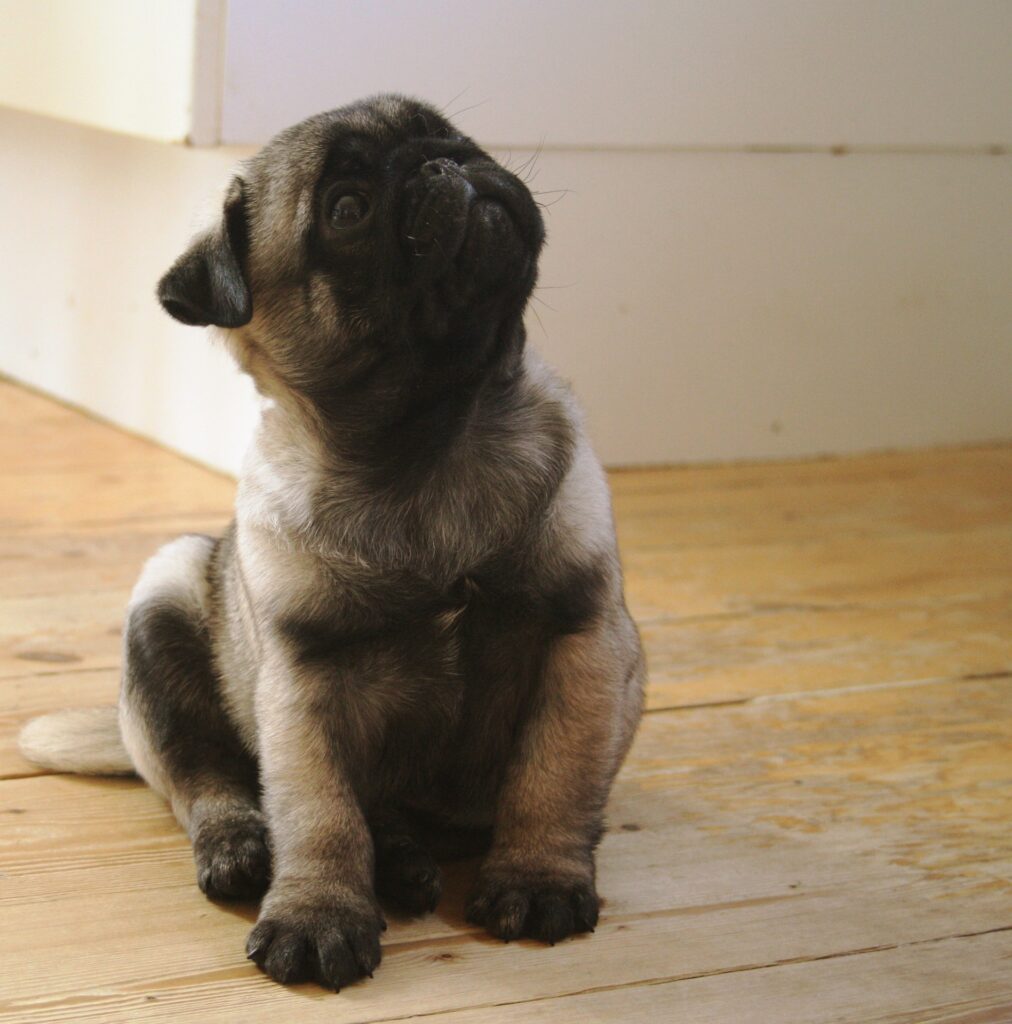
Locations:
{"points": [[281, 473], [563, 567], [578, 525]]}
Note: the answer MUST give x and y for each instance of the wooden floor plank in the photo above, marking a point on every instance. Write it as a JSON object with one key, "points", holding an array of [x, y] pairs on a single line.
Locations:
{"points": [[68, 564], [740, 656], [952, 981], [81, 630], [27, 696], [111, 499], [940, 490], [917, 568], [38, 433]]}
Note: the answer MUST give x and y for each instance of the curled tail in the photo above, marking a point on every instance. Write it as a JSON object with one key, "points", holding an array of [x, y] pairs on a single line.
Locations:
{"points": [[85, 740]]}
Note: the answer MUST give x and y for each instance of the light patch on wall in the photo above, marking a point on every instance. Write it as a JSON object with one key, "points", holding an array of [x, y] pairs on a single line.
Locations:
{"points": [[123, 65]]}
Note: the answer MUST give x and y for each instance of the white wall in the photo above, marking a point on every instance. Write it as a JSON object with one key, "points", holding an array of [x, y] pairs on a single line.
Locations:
{"points": [[127, 65], [637, 73], [91, 220], [587, 73], [729, 305], [710, 298]]}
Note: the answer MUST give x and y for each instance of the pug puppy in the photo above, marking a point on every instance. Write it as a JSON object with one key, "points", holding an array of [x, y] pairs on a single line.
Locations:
{"points": [[413, 635]]}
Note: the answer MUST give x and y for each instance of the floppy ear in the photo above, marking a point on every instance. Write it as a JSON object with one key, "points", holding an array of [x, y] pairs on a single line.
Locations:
{"points": [[207, 284]]}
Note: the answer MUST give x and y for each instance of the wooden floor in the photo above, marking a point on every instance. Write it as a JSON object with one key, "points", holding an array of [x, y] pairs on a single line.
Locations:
{"points": [[813, 825]]}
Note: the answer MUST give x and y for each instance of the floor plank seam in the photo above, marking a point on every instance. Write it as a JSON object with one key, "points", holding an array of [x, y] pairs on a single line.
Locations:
{"points": [[643, 983], [958, 935], [47, 673], [761, 610], [743, 465], [731, 702], [835, 691], [791, 961], [674, 979], [890, 684], [817, 541], [40, 773]]}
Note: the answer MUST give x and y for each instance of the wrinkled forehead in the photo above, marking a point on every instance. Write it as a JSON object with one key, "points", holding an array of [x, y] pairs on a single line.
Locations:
{"points": [[282, 177]]}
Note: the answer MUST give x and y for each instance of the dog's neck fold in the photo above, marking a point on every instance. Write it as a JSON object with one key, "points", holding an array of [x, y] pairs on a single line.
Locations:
{"points": [[397, 416]]}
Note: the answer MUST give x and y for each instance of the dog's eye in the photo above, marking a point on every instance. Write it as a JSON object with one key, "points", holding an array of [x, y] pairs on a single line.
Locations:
{"points": [[347, 210]]}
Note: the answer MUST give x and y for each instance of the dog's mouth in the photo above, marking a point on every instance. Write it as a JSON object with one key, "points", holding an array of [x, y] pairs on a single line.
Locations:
{"points": [[464, 221]]}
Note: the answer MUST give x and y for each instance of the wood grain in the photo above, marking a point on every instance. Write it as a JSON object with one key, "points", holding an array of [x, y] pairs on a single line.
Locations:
{"points": [[812, 825], [957, 981], [738, 656]]}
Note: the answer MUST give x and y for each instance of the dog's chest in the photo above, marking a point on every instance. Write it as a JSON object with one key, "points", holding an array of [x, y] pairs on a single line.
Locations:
{"points": [[435, 676]]}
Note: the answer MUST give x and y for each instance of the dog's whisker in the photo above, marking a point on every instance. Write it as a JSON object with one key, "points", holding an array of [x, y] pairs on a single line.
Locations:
{"points": [[537, 316], [531, 163], [546, 206], [464, 110], [445, 107]]}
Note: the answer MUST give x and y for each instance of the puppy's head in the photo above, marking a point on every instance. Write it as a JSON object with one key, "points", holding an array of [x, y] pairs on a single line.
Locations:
{"points": [[370, 246]]}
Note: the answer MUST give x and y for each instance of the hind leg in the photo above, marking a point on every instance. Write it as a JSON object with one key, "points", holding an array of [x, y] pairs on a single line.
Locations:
{"points": [[407, 876], [176, 727]]}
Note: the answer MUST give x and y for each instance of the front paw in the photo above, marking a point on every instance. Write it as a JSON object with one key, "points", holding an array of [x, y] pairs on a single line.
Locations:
{"points": [[544, 907], [233, 857], [333, 940]]}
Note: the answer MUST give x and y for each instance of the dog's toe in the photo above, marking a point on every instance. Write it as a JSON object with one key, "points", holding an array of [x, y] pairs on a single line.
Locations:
{"points": [[333, 943], [511, 907]]}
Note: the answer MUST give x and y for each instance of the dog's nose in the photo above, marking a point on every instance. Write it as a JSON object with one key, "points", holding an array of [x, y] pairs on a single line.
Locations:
{"points": [[441, 165]]}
